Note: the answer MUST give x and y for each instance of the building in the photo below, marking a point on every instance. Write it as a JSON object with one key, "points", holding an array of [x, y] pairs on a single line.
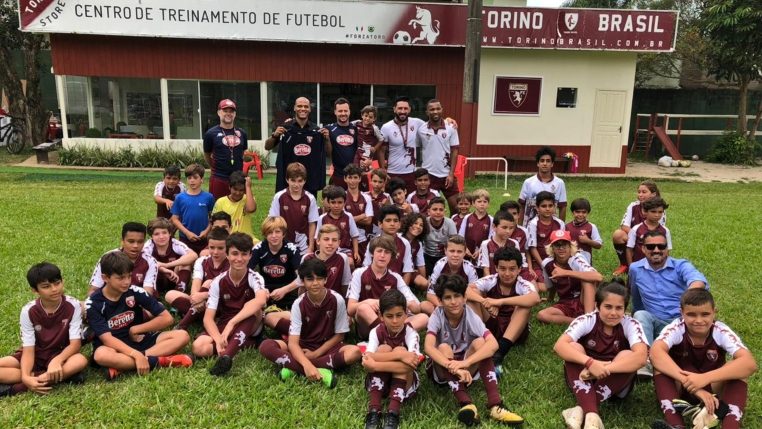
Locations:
{"points": [[151, 73]]}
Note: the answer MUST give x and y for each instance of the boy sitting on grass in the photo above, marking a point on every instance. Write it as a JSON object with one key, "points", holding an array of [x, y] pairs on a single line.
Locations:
{"points": [[318, 324], [234, 308], [124, 340], [389, 223], [339, 271], [391, 358], [460, 349], [335, 214], [453, 263], [50, 338], [423, 193], [145, 268], [190, 213], [173, 257]]}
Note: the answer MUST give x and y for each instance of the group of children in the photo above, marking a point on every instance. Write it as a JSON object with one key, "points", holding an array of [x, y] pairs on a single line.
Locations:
{"points": [[381, 266]]}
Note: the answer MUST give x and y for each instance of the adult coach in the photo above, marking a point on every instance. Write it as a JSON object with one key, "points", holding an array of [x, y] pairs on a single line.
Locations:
{"points": [[224, 145], [301, 141], [440, 143], [401, 134], [343, 135], [657, 282]]}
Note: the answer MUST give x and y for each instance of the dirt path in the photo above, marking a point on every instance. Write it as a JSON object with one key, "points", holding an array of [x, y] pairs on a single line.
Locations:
{"points": [[699, 171]]}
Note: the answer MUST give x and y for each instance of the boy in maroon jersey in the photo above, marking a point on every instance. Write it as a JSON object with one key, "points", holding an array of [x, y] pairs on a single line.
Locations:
{"points": [[318, 324], [234, 308], [602, 351], [221, 220], [335, 214], [396, 189], [423, 193], [460, 349], [389, 224], [378, 197], [453, 263], [689, 363], [165, 191], [391, 358], [205, 269], [174, 259], [503, 226], [540, 230], [584, 233], [477, 226], [654, 211], [145, 268], [359, 205], [504, 301], [298, 207], [371, 141], [339, 271], [370, 281], [50, 336], [463, 201]]}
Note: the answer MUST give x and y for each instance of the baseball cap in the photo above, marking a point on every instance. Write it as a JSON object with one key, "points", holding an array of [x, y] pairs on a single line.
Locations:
{"points": [[560, 236], [226, 104]]}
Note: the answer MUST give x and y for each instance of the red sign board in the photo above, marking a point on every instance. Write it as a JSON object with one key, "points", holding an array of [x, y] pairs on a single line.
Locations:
{"points": [[515, 95]]}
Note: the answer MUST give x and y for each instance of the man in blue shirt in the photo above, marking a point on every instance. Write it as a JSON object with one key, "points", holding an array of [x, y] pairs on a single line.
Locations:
{"points": [[657, 283], [224, 145], [343, 135]]}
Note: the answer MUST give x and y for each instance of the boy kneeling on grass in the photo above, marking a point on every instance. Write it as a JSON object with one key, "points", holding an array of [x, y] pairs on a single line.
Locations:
{"points": [[124, 341], [460, 349], [234, 307], [690, 368], [319, 322], [50, 338], [391, 359]]}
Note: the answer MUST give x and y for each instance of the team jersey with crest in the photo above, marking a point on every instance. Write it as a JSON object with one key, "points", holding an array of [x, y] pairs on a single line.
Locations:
{"points": [[228, 298], [407, 337], [590, 231], [362, 205], [421, 201], [403, 262], [567, 288], [306, 146], [346, 225], [437, 145], [637, 235], [487, 253], [436, 240], [401, 140], [520, 234], [466, 270], [367, 137], [533, 186], [634, 215], [50, 333], [344, 144], [460, 337], [365, 285], [539, 234], [175, 250], [117, 317], [475, 230], [204, 269], [277, 269], [144, 271], [489, 288], [317, 322], [339, 274], [227, 147], [378, 201], [588, 331], [704, 358], [298, 214], [416, 250], [161, 190], [458, 219]]}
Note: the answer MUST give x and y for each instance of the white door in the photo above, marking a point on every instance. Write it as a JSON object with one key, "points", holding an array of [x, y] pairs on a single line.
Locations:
{"points": [[606, 144]]}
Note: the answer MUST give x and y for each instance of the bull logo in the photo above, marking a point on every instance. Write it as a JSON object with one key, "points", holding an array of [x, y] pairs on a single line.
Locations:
{"points": [[429, 26]]}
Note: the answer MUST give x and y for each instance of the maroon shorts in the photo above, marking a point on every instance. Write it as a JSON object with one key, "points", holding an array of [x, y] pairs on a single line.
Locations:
{"points": [[571, 308], [438, 183], [409, 179], [498, 325], [539, 278], [339, 181], [41, 360], [219, 187], [196, 246]]}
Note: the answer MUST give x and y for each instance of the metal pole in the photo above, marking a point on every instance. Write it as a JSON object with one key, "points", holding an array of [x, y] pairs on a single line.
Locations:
{"points": [[473, 52]]}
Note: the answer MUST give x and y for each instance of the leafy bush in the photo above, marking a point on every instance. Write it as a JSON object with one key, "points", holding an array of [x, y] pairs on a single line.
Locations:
{"points": [[93, 133], [127, 157], [734, 148]]}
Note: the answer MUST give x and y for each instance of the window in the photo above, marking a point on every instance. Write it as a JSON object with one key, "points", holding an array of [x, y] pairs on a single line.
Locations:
{"points": [[384, 96], [281, 97], [358, 96], [76, 105], [246, 97], [184, 120]]}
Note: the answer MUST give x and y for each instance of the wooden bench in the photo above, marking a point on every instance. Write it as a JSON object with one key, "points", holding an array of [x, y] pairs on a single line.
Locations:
{"points": [[42, 150], [515, 160]]}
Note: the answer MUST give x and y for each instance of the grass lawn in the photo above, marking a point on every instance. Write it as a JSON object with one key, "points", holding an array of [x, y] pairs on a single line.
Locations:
{"points": [[72, 217]]}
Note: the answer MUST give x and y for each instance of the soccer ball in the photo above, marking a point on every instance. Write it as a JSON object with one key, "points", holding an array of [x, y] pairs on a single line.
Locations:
{"points": [[401, 38], [695, 157]]}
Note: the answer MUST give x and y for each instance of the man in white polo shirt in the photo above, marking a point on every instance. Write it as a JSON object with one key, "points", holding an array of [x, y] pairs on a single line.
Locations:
{"points": [[440, 143], [401, 134]]}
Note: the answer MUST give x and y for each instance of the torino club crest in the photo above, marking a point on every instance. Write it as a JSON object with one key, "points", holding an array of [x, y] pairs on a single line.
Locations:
{"points": [[517, 92]]}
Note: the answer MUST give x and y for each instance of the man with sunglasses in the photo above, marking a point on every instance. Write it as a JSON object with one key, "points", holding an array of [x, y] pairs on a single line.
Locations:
{"points": [[657, 282]]}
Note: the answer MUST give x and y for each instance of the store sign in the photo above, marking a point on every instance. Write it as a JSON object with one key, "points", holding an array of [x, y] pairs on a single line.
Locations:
{"points": [[350, 22], [515, 95]]}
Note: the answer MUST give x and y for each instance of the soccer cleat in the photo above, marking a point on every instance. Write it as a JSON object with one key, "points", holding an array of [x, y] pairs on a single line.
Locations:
{"points": [[497, 359], [77, 378], [622, 269], [392, 420], [500, 414], [661, 424], [286, 374], [593, 421], [468, 415], [328, 377], [573, 417], [110, 373], [372, 419], [703, 420], [645, 371], [5, 390], [185, 361], [498, 371], [686, 409], [222, 366]]}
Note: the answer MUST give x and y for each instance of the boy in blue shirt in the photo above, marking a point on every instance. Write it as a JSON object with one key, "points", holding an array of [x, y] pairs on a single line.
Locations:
{"points": [[190, 212]]}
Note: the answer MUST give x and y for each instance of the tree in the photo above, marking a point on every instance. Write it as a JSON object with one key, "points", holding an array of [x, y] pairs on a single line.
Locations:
{"points": [[733, 33], [24, 102]]}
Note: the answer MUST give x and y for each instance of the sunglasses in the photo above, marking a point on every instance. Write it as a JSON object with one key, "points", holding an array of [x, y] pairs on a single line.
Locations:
{"points": [[653, 246]]}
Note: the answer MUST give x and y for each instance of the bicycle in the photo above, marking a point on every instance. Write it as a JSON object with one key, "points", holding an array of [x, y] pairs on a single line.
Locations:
{"points": [[11, 136]]}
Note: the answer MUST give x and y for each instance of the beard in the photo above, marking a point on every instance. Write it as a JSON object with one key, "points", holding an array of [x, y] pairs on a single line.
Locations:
{"points": [[401, 117]]}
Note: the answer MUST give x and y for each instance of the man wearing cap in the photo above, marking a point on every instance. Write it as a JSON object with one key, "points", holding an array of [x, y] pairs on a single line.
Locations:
{"points": [[657, 282], [224, 145], [299, 140]]}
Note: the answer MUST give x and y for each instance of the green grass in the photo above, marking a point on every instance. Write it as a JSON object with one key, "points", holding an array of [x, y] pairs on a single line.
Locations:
{"points": [[72, 217]]}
